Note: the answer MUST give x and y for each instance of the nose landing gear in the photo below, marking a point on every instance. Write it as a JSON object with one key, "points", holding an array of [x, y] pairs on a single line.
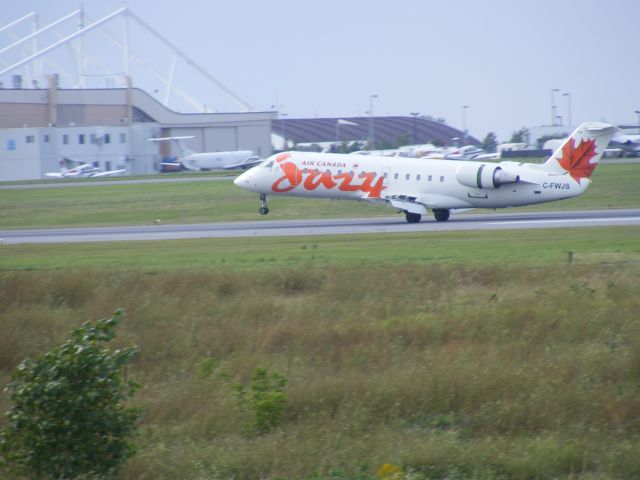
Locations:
{"points": [[264, 209]]}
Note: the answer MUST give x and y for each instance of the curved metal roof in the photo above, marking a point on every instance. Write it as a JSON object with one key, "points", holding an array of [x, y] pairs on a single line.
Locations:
{"points": [[316, 130]]}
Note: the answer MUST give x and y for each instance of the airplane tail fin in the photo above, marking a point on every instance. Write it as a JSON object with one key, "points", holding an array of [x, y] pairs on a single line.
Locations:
{"points": [[184, 151], [581, 152]]}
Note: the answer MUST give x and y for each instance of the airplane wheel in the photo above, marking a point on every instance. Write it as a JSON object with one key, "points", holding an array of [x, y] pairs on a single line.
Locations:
{"points": [[412, 217], [441, 214], [263, 210]]}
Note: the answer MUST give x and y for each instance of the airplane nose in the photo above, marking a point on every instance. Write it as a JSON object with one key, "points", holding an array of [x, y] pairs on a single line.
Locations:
{"points": [[242, 179]]}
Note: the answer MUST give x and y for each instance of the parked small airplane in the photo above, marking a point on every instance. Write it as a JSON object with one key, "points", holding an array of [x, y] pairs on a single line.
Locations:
{"points": [[84, 170], [191, 160], [414, 185]]}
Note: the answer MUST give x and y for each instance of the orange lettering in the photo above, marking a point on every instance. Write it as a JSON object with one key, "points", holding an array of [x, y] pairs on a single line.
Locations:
{"points": [[374, 190], [346, 186], [315, 178], [291, 174]]}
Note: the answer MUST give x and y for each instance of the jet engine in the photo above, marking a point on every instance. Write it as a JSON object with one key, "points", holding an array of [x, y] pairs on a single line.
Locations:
{"points": [[482, 175]]}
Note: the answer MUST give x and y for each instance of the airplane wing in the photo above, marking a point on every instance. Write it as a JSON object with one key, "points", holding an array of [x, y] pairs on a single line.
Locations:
{"points": [[250, 162], [109, 173], [419, 203]]}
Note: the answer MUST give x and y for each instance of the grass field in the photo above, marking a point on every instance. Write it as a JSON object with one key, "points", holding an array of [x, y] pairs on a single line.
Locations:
{"points": [[449, 355], [614, 186], [537, 247], [484, 355]]}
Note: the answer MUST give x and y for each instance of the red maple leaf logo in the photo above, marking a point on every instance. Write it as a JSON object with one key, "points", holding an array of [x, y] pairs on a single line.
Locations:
{"points": [[575, 160]]}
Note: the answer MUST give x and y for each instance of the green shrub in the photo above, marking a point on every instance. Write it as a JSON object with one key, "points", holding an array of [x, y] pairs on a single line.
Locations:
{"points": [[67, 418], [265, 398]]}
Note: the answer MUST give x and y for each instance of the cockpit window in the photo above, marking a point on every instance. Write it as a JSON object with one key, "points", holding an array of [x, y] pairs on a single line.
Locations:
{"points": [[267, 164]]}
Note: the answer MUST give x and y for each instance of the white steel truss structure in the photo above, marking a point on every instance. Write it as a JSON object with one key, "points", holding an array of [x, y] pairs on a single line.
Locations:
{"points": [[34, 54]]}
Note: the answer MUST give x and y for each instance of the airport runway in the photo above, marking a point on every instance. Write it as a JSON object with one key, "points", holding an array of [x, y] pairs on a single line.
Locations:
{"points": [[84, 182], [290, 228]]}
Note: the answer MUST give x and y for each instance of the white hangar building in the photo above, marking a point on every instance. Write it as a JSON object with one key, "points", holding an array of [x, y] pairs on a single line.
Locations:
{"points": [[67, 91], [109, 128]]}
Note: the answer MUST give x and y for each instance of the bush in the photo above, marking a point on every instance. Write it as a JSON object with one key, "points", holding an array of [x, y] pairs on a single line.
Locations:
{"points": [[67, 418], [265, 398]]}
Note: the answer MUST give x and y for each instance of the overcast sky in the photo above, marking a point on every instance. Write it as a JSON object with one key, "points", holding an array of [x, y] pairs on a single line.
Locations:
{"points": [[325, 58]]}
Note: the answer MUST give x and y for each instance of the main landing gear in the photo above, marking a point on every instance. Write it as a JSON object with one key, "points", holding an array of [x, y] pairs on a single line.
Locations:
{"points": [[412, 217], [263, 210], [440, 214]]}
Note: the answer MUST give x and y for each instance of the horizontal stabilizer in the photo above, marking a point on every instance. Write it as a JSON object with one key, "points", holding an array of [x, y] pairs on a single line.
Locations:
{"points": [[166, 139]]}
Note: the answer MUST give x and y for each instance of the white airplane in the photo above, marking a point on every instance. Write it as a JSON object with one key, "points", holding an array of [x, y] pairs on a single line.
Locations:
{"points": [[414, 185], [191, 160], [84, 170], [629, 144]]}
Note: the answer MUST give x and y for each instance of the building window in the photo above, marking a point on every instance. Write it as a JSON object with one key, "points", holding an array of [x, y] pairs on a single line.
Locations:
{"points": [[442, 179], [11, 144], [123, 138], [65, 139], [418, 177], [407, 176], [46, 139], [430, 178], [107, 138], [81, 138], [30, 139], [395, 176]]}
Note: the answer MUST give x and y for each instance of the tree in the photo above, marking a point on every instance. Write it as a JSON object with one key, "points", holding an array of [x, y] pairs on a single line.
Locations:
{"points": [[490, 142], [521, 136], [68, 418]]}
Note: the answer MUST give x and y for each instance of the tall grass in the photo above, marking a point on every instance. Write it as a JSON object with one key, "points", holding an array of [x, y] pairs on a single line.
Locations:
{"points": [[443, 371]]}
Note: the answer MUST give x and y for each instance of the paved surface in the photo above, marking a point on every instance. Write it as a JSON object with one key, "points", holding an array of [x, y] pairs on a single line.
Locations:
{"points": [[274, 228], [94, 183]]}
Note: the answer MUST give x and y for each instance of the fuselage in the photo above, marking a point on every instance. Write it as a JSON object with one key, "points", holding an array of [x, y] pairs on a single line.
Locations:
{"points": [[413, 184], [216, 160]]}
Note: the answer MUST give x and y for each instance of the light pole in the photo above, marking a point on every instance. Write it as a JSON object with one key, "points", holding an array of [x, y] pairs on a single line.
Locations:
{"points": [[371, 131], [553, 106], [568, 95], [464, 124], [284, 131], [415, 126]]}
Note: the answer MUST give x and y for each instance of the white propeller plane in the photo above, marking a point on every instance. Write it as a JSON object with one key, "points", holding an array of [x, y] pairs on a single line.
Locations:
{"points": [[84, 170], [414, 185], [231, 160]]}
